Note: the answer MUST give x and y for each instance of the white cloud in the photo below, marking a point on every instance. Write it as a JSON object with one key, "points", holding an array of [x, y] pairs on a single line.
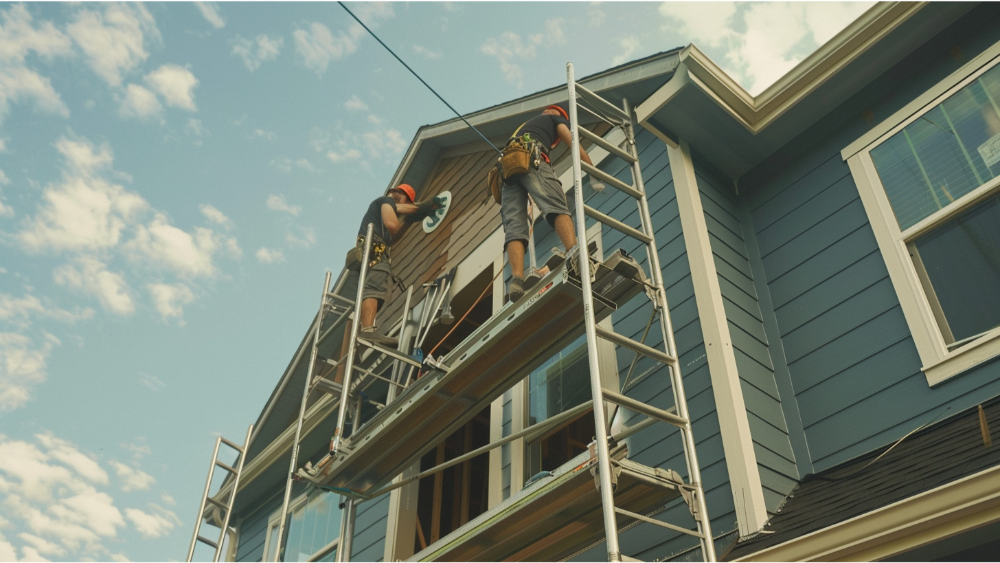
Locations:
{"points": [[215, 216], [269, 256], [262, 134], [372, 118], [596, 15], [421, 50], [139, 102], [511, 48], [356, 104], [630, 45], [350, 154], [307, 239], [113, 42], [278, 203], [261, 49], [132, 479], [305, 165], [19, 310], [194, 128], [210, 11], [154, 383], [757, 43], [384, 141], [175, 84], [22, 367], [93, 277], [51, 490], [317, 46], [84, 211], [19, 37], [187, 254], [170, 299], [152, 525]]}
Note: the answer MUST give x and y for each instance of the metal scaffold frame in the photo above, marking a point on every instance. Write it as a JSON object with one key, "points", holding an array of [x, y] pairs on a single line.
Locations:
{"points": [[221, 511], [582, 274]]}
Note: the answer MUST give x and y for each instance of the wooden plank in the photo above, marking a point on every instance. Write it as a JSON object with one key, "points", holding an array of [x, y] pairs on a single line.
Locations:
{"points": [[806, 215], [834, 258], [822, 235]]}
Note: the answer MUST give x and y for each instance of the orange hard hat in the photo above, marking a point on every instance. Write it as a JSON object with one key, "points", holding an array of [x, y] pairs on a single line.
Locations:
{"points": [[408, 190], [559, 109]]}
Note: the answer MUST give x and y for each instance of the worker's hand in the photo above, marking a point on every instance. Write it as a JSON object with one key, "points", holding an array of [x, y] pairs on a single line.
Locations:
{"points": [[439, 201]]}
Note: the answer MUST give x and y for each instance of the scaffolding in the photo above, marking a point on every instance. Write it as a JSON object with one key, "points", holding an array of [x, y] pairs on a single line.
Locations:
{"points": [[588, 500]]}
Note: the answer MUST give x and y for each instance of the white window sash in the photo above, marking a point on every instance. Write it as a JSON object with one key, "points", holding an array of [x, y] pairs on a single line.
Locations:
{"points": [[938, 363]]}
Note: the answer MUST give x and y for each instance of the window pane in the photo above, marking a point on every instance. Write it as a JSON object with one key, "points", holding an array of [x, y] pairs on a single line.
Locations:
{"points": [[962, 261], [272, 543], [559, 384], [946, 153], [313, 526]]}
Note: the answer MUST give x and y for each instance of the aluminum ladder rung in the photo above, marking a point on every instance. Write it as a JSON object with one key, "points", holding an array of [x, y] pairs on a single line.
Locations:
{"points": [[217, 503], [645, 409], [601, 104], [327, 386], [205, 540], [341, 298], [604, 144], [616, 224], [396, 354], [226, 467], [609, 179], [656, 522], [637, 347], [232, 445]]}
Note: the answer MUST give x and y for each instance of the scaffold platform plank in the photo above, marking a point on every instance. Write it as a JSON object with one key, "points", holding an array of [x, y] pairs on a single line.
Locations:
{"points": [[557, 516], [490, 361]]}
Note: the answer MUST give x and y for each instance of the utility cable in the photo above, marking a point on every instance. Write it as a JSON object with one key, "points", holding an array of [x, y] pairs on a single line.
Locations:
{"points": [[372, 33]]}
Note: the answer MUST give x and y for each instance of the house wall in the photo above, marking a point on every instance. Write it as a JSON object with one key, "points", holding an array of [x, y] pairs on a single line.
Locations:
{"points": [[771, 444], [848, 356], [253, 529], [660, 445]]}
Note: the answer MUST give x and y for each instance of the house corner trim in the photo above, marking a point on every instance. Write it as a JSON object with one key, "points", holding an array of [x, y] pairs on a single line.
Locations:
{"points": [[737, 442]]}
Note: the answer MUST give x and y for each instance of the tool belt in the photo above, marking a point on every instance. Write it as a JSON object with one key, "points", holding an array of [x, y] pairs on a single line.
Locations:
{"points": [[515, 160], [379, 252]]}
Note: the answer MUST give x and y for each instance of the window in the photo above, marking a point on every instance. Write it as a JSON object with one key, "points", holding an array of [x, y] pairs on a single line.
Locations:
{"points": [[929, 178], [313, 528]]}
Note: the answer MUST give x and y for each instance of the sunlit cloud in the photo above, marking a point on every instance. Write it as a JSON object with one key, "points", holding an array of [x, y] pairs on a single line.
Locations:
{"points": [[276, 202], [210, 11], [269, 255], [259, 50]]}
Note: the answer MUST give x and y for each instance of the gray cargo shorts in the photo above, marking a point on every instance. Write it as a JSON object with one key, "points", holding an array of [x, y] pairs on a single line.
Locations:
{"points": [[377, 283], [545, 190]]}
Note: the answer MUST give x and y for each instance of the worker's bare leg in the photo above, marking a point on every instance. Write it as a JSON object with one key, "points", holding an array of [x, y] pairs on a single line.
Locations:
{"points": [[368, 309], [515, 255], [564, 229]]}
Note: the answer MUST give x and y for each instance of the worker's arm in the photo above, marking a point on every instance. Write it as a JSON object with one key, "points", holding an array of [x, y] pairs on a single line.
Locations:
{"points": [[567, 137], [389, 218]]}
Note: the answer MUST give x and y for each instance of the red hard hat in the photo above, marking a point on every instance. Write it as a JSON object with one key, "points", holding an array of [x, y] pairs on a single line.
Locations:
{"points": [[408, 190], [559, 109]]}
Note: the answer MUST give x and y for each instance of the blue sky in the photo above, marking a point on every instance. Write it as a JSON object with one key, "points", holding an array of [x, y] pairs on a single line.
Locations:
{"points": [[176, 178]]}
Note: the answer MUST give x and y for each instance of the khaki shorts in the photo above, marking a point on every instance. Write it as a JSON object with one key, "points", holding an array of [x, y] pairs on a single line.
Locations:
{"points": [[545, 190], [377, 283]]}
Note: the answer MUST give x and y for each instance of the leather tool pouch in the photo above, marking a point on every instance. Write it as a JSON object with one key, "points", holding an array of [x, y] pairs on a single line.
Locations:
{"points": [[378, 253], [516, 159], [494, 182]]}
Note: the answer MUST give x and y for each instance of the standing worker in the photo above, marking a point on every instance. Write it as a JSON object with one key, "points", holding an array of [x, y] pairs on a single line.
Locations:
{"points": [[539, 134], [383, 214]]}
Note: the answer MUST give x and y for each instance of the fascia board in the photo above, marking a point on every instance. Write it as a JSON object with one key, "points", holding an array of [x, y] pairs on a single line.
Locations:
{"points": [[973, 500], [615, 78], [756, 113]]}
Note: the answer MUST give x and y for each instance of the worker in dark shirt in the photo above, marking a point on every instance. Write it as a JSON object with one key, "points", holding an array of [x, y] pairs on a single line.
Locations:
{"points": [[544, 131], [384, 214]]}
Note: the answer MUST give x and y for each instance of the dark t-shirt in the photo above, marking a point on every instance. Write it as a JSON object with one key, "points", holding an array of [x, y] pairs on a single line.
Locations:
{"points": [[542, 128], [374, 215]]}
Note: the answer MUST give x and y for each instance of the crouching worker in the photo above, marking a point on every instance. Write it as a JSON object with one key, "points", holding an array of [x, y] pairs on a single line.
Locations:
{"points": [[384, 215], [539, 135]]}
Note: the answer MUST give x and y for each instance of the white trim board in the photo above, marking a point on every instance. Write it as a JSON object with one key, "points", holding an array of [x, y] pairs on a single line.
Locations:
{"points": [[737, 442]]}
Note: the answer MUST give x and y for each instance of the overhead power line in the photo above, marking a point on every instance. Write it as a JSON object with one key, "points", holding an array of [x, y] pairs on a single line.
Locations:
{"points": [[424, 82]]}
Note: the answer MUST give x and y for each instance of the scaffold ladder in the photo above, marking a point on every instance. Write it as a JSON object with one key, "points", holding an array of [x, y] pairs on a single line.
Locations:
{"points": [[622, 117], [350, 402], [222, 510]]}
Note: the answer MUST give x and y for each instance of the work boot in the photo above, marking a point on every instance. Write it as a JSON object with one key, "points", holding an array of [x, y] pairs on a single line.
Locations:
{"points": [[371, 335], [515, 289]]}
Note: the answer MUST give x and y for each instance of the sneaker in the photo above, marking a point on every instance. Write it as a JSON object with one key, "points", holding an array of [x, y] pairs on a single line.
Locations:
{"points": [[372, 335], [515, 289]]}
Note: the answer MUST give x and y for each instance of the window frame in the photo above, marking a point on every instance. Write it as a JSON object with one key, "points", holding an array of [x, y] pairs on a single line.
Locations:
{"points": [[272, 523], [938, 362]]}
